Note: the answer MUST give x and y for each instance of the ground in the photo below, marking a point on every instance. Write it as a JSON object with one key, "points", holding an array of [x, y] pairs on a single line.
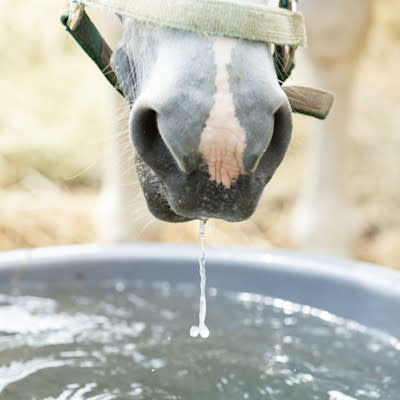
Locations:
{"points": [[52, 124]]}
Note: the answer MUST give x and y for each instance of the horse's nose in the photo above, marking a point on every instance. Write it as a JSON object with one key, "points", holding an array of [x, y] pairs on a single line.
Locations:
{"points": [[169, 135]]}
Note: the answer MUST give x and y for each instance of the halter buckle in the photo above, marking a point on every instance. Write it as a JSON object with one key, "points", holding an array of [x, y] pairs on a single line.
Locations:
{"points": [[76, 12], [284, 55]]}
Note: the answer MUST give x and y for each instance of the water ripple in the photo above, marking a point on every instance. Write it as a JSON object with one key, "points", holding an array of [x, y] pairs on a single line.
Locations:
{"points": [[20, 370]]}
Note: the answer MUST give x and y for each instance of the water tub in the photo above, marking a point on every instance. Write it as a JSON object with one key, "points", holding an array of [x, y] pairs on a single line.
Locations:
{"points": [[361, 292]]}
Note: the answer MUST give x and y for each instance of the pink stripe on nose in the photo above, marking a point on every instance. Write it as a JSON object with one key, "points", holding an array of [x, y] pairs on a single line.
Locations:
{"points": [[223, 140]]}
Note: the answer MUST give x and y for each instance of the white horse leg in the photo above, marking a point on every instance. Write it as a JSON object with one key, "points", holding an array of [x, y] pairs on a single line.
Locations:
{"points": [[121, 214], [323, 220]]}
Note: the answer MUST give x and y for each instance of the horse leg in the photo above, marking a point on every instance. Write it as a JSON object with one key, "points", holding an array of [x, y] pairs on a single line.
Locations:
{"points": [[322, 219]]}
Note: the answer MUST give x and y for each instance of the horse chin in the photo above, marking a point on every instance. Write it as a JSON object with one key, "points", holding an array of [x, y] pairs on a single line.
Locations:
{"points": [[180, 197], [155, 194]]}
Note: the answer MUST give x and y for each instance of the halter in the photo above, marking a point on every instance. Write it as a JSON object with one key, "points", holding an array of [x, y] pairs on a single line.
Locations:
{"points": [[282, 27], [284, 55]]}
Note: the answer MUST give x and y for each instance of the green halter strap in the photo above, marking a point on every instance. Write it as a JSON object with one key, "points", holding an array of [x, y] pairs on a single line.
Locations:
{"points": [[90, 40]]}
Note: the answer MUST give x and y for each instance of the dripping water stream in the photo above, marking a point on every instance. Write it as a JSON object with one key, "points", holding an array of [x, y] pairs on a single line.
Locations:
{"points": [[202, 329]]}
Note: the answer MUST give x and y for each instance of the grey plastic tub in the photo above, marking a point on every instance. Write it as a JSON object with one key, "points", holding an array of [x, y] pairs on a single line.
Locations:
{"points": [[361, 292]]}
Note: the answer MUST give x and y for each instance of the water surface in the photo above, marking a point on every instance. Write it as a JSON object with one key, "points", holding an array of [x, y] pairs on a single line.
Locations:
{"points": [[131, 341]]}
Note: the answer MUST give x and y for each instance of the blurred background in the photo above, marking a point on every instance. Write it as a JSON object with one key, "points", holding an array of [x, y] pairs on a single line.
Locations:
{"points": [[53, 119]]}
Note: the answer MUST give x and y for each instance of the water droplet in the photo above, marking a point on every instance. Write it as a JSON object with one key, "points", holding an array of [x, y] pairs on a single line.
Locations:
{"points": [[120, 286], [194, 331]]}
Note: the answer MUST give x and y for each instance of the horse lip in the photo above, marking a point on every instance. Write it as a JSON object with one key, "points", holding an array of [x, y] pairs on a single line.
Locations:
{"points": [[195, 196], [174, 196]]}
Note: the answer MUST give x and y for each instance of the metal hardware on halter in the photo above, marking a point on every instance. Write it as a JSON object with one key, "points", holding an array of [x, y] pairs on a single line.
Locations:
{"points": [[284, 55], [76, 13]]}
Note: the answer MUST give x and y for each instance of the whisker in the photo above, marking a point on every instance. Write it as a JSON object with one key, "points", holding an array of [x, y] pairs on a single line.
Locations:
{"points": [[81, 172]]}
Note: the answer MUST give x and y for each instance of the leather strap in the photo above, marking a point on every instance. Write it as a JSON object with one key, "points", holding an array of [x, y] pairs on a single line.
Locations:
{"points": [[90, 40]]}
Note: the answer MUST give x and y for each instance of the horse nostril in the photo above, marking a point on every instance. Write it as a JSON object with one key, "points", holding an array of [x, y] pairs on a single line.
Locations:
{"points": [[147, 139], [271, 138], [161, 140], [144, 130], [282, 130], [277, 147]]}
